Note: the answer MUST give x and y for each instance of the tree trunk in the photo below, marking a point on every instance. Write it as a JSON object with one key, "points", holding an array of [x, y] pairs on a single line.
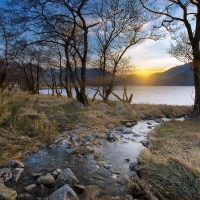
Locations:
{"points": [[196, 68]]}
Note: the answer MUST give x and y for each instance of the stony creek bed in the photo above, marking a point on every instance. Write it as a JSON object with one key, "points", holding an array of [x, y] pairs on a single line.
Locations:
{"points": [[104, 171]]}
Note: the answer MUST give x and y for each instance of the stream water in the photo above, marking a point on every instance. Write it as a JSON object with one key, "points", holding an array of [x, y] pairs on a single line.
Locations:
{"points": [[86, 167]]}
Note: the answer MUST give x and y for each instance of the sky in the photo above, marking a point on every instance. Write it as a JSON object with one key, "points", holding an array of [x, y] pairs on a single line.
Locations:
{"points": [[150, 56]]}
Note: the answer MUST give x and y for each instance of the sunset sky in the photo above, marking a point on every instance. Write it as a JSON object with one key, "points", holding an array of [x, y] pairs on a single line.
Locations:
{"points": [[150, 56]]}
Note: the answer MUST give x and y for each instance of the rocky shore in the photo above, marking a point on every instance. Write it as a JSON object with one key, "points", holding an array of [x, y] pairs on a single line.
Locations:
{"points": [[81, 145]]}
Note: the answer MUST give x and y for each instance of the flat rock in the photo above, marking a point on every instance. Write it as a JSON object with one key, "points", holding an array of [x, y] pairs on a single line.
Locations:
{"points": [[68, 177], [7, 193], [128, 131], [64, 193]]}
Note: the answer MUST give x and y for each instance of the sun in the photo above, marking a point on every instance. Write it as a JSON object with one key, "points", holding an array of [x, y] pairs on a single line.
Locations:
{"points": [[148, 71]]}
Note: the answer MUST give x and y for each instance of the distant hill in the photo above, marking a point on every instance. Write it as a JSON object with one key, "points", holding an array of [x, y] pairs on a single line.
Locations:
{"points": [[181, 75]]}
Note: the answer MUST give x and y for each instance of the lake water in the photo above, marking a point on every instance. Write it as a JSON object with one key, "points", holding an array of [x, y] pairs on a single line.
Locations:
{"points": [[171, 95]]}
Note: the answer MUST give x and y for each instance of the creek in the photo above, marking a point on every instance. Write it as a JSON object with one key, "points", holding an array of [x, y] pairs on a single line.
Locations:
{"points": [[87, 168]]}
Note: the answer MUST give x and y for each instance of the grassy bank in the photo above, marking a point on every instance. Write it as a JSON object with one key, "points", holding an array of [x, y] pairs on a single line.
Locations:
{"points": [[169, 169], [28, 122]]}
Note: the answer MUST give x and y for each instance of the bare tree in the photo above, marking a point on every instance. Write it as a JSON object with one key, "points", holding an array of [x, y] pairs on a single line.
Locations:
{"points": [[121, 25], [188, 18], [29, 64], [182, 49], [60, 22]]}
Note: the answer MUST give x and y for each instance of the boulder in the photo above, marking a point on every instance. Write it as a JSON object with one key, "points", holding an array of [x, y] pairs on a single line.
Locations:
{"points": [[67, 176], [17, 173], [7, 193], [64, 193], [46, 180]]}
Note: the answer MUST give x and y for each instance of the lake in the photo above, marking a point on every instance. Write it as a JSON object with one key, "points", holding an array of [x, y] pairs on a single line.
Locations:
{"points": [[170, 95]]}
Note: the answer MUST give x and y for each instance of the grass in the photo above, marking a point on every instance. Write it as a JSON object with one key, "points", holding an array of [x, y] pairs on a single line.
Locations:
{"points": [[170, 168], [26, 125]]}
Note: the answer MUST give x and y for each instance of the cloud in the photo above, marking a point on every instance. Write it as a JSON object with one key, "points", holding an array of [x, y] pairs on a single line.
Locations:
{"points": [[152, 54]]}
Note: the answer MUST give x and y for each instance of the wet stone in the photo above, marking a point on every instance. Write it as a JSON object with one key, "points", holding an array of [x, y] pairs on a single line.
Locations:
{"points": [[68, 177], [133, 166], [128, 131], [136, 135], [145, 143], [46, 180], [128, 124], [63, 193], [36, 175], [110, 138], [159, 120]]}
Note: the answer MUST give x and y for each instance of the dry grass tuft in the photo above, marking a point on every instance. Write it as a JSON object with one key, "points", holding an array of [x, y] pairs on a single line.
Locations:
{"points": [[170, 168], [30, 121]]}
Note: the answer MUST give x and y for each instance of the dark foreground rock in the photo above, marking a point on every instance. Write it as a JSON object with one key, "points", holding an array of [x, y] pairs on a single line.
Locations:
{"points": [[7, 193], [64, 193]]}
